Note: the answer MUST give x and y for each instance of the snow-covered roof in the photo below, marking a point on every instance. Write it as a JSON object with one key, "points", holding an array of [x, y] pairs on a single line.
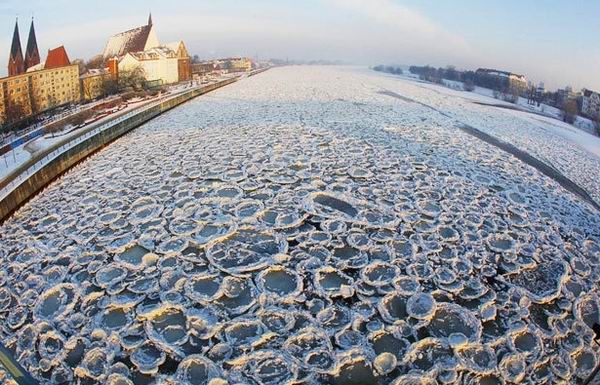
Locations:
{"points": [[134, 40], [37, 67], [94, 72], [155, 53], [178, 47]]}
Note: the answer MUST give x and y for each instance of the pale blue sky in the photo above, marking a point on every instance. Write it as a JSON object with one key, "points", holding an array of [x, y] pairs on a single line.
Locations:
{"points": [[551, 40]]}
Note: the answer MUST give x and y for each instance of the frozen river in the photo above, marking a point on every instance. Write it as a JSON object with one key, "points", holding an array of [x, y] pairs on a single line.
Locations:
{"points": [[316, 225]]}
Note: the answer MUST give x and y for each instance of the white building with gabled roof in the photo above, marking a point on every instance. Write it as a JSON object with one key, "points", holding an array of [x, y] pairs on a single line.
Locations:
{"points": [[168, 64], [135, 40]]}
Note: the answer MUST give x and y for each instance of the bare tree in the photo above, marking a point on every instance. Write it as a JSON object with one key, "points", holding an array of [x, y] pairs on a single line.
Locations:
{"points": [[81, 64], [133, 78], [97, 62], [569, 109], [109, 86], [52, 102], [469, 86], [87, 89], [14, 112]]}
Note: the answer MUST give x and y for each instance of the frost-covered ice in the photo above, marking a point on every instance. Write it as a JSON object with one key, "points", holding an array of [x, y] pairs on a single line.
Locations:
{"points": [[303, 227]]}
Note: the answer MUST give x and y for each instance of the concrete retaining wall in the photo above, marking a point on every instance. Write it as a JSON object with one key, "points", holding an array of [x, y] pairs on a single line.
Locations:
{"points": [[64, 161]]}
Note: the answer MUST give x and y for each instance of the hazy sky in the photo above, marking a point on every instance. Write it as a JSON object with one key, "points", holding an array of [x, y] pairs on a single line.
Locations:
{"points": [[552, 40]]}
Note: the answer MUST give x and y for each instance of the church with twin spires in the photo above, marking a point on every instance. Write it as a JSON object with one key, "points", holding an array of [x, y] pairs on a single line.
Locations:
{"points": [[32, 85], [17, 64]]}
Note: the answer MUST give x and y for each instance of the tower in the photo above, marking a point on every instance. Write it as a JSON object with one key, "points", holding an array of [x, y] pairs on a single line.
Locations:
{"points": [[16, 65], [150, 19], [32, 55]]}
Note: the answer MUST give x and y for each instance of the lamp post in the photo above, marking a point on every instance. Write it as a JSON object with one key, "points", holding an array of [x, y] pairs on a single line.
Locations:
{"points": [[17, 372]]}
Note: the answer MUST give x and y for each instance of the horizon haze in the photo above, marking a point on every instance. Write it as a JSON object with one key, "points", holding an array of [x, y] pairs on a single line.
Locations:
{"points": [[553, 43]]}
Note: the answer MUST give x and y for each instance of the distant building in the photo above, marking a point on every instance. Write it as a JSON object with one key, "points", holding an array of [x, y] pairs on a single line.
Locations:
{"points": [[562, 95], [184, 61], [500, 80], [237, 64], [135, 40], [93, 83], [140, 47], [206, 68], [32, 86], [590, 103], [166, 65], [38, 91]]}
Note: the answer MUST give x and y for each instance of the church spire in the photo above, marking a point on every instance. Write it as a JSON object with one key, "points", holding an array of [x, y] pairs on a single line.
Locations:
{"points": [[32, 54], [15, 59], [150, 19]]}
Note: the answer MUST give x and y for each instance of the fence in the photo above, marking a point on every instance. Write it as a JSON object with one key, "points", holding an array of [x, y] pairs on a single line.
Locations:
{"points": [[13, 191]]}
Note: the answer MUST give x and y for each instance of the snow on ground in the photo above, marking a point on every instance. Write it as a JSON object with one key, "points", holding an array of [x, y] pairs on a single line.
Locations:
{"points": [[13, 159], [573, 152], [301, 226]]}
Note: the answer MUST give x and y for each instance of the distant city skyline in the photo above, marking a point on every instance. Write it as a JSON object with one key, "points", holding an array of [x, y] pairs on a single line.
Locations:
{"points": [[552, 41]]}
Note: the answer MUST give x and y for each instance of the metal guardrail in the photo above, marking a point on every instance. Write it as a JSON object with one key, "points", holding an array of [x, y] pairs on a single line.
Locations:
{"points": [[17, 372], [6, 190], [23, 176]]}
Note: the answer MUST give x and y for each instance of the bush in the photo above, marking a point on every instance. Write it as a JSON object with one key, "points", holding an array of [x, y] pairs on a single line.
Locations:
{"points": [[570, 111], [128, 94], [469, 86]]}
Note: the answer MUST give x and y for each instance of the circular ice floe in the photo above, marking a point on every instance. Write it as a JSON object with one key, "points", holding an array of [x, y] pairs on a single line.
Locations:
{"points": [[586, 361], [353, 369], [513, 367], [203, 287], [237, 295], [209, 231], [478, 358], [267, 367], [115, 318], [94, 364], [379, 273], [51, 345], [167, 326], [587, 310], [56, 302], [527, 342], [501, 243], [413, 379], [421, 306], [333, 283], [244, 250], [451, 318], [243, 332], [385, 363], [148, 357], [543, 283], [428, 354], [310, 340], [279, 280], [111, 274], [196, 370]]}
